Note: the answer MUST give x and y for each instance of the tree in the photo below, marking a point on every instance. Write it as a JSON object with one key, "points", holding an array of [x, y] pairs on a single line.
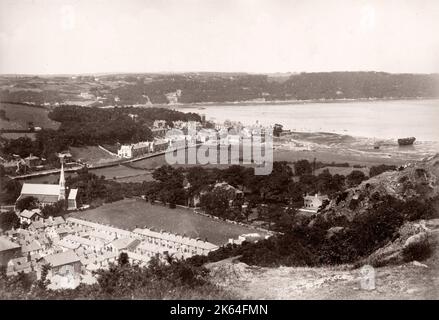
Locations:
{"points": [[302, 167], [151, 190], [296, 193], [27, 203], [216, 202], [123, 259], [328, 184], [274, 186], [13, 190], [54, 210], [172, 196], [199, 178], [234, 175], [308, 183], [355, 178], [41, 285], [169, 176], [9, 220], [376, 170]]}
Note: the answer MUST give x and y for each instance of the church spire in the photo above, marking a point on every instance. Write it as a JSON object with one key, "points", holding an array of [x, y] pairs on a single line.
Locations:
{"points": [[62, 182]]}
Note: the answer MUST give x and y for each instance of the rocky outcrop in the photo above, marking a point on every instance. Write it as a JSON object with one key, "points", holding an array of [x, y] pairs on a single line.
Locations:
{"points": [[410, 234], [414, 180]]}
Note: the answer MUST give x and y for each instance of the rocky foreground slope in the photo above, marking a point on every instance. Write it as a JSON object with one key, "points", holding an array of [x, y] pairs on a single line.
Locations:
{"points": [[413, 181], [398, 273]]}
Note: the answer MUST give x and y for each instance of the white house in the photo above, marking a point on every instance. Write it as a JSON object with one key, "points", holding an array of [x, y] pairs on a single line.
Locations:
{"points": [[313, 203], [29, 216]]}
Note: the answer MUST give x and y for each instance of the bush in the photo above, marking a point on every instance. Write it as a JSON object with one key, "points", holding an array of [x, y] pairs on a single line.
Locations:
{"points": [[417, 251], [376, 170]]}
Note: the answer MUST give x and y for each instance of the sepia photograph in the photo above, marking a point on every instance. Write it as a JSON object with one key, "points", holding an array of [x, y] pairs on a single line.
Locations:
{"points": [[219, 150]]}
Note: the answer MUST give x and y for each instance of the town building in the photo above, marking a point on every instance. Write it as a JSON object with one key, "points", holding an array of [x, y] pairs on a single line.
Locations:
{"points": [[65, 156], [160, 145], [8, 250], [63, 264], [123, 245], [16, 265], [159, 124], [135, 149], [158, 132], [311, 204], [249, 237], [32, 161], [49, 194], [29, 216]]}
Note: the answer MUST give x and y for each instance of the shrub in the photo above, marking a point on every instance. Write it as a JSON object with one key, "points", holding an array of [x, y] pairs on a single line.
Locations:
{"points": [[417, 251]]}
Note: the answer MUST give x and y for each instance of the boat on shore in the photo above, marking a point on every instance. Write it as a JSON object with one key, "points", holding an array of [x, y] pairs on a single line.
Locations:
{"points": [[406, 141]]}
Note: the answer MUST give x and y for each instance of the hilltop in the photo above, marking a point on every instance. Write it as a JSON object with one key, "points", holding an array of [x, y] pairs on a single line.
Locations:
{"points": [[189, 88]]}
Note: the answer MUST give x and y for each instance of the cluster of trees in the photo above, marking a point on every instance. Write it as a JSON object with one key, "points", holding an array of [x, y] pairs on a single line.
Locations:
{"points": [[9, 188], [274, 196], [29, 203], [91, 126], [168, 187], [303, 86], [313, 245], [173, 279], [22, 146], [376, 170], [95, 190], [226, 87], [9, 220]]}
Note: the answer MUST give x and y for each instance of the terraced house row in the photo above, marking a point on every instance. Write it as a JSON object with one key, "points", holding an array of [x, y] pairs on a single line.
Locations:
{"points": [[74, 248]]}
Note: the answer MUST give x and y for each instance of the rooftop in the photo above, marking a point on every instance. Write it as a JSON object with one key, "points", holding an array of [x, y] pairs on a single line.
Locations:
{"points": [[33, 246], [123, 243], [30, 213], [63, 258], [6, 244], [40, 188]]}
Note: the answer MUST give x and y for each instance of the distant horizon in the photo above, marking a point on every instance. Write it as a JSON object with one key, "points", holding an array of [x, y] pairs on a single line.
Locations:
{"points": [[206, 72]]}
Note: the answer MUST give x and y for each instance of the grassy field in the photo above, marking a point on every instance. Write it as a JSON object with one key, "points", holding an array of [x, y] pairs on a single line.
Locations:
{"points": [[119, 172], [16, 135], [136, 178], [92, 154], [130, 213], [343, 170], [19, 116]]}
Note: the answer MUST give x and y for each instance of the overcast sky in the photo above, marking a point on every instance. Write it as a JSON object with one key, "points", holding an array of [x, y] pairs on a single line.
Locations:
{"points": [[76, 36]]}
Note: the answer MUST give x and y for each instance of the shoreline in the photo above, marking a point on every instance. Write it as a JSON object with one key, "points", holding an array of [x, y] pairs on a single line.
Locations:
{"points": [[238, 103], [282, 102]]}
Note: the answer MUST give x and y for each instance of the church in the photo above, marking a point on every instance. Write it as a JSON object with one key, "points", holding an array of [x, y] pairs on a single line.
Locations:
{"points": [[48, 194]]}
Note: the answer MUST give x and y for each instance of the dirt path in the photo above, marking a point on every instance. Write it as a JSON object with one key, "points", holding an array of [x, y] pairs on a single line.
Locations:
{"points": [[408, 281]]}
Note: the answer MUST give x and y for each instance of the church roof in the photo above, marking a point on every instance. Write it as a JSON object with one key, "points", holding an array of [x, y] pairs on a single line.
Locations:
{"points": [[41, 197], [40, 189]]}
